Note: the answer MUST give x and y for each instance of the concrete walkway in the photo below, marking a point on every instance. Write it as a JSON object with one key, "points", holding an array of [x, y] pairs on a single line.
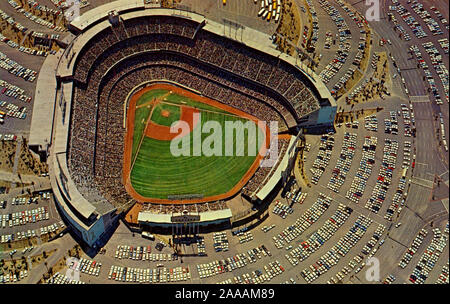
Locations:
{"points": [[14, 178], [16, 157], [62, 245]]}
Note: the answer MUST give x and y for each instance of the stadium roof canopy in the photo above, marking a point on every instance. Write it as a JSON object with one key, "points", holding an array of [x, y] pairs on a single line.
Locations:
{"points": [[44, 103], [276, 176], [209, 216]]}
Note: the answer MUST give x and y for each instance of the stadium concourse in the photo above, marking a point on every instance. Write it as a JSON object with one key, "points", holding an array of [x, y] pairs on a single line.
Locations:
{"points": [[109, 55]]}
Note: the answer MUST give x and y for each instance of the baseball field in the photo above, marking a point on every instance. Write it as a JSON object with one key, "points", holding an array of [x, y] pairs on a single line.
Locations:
{"points": [[152, 173]]}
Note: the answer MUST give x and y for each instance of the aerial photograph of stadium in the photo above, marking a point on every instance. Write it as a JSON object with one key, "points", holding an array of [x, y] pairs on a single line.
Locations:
{"points": [[197, 142]]}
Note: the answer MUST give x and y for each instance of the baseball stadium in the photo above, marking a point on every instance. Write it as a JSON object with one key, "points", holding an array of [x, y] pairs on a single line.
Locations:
{"points": [[128, 76]]}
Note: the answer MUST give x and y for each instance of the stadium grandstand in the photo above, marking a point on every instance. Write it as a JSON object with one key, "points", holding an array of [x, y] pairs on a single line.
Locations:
{"points": [[120, 47]]}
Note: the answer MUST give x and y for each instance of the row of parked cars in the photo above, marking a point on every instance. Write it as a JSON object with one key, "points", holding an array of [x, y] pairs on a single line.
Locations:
{"points": [[22, 48], [147, 275], [340, 275], [12, 277], [398, 200], [415, 26], [323, 157], [403, 33], [444, 139], [52, 228], [266, 229], [359, 182], [406, 154], [428, 75], [443, 277], [16, 201], [201, 248], [439, 16], [220, 241], [344, 38], [429, 257], [245, 237], [22, 200], [339, 173], [321, 235], [408, 119], [412, 249], [391, 123], [24, 217], [35, 18], [142, 253], [16, 69], [282, 210], [444, 44], [358, 89], [133, 253], [13, 110], [438, 64], [309, 217], [431, 23], [59, 278], [311, 44], [361, 48], [8, 137], [385, 175], [13, 91], [31, 233], [360, 23], [371, 123], [369, 249], [338, 251], [87, 266], [257, 276], [230, 264]]}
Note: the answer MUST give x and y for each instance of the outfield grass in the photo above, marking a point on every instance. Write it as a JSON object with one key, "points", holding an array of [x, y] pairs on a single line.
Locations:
{"points": [[148, 96], [158, 174], [140, 118]]}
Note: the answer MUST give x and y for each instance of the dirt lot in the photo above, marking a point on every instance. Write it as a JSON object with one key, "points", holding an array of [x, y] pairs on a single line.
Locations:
{"points": [[289, 27]]}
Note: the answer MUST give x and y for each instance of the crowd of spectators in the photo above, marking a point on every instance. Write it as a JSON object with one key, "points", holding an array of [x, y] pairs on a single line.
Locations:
{"points": [[118, 60], [175, 35], [263, 175]]}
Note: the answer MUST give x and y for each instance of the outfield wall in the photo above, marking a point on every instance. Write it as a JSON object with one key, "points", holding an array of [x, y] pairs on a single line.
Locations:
{"points": [[216, 217]]}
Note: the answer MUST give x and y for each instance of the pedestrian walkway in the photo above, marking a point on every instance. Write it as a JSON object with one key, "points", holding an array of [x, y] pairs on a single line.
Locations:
{"points": [[423, 98], [16, 157], [422, 182], [27, 179]]}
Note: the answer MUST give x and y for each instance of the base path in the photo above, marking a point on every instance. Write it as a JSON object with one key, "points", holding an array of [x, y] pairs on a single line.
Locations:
{"points": [[161, 132]]}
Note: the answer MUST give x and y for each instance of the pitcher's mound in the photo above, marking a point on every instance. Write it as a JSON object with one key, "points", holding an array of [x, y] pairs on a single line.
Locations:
{"points": [[165, 113]]}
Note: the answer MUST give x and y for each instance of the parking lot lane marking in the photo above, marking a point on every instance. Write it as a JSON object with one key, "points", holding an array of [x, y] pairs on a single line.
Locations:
{"points": [[422, 182], [422, 98], [443, 173], [445, 203]]}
